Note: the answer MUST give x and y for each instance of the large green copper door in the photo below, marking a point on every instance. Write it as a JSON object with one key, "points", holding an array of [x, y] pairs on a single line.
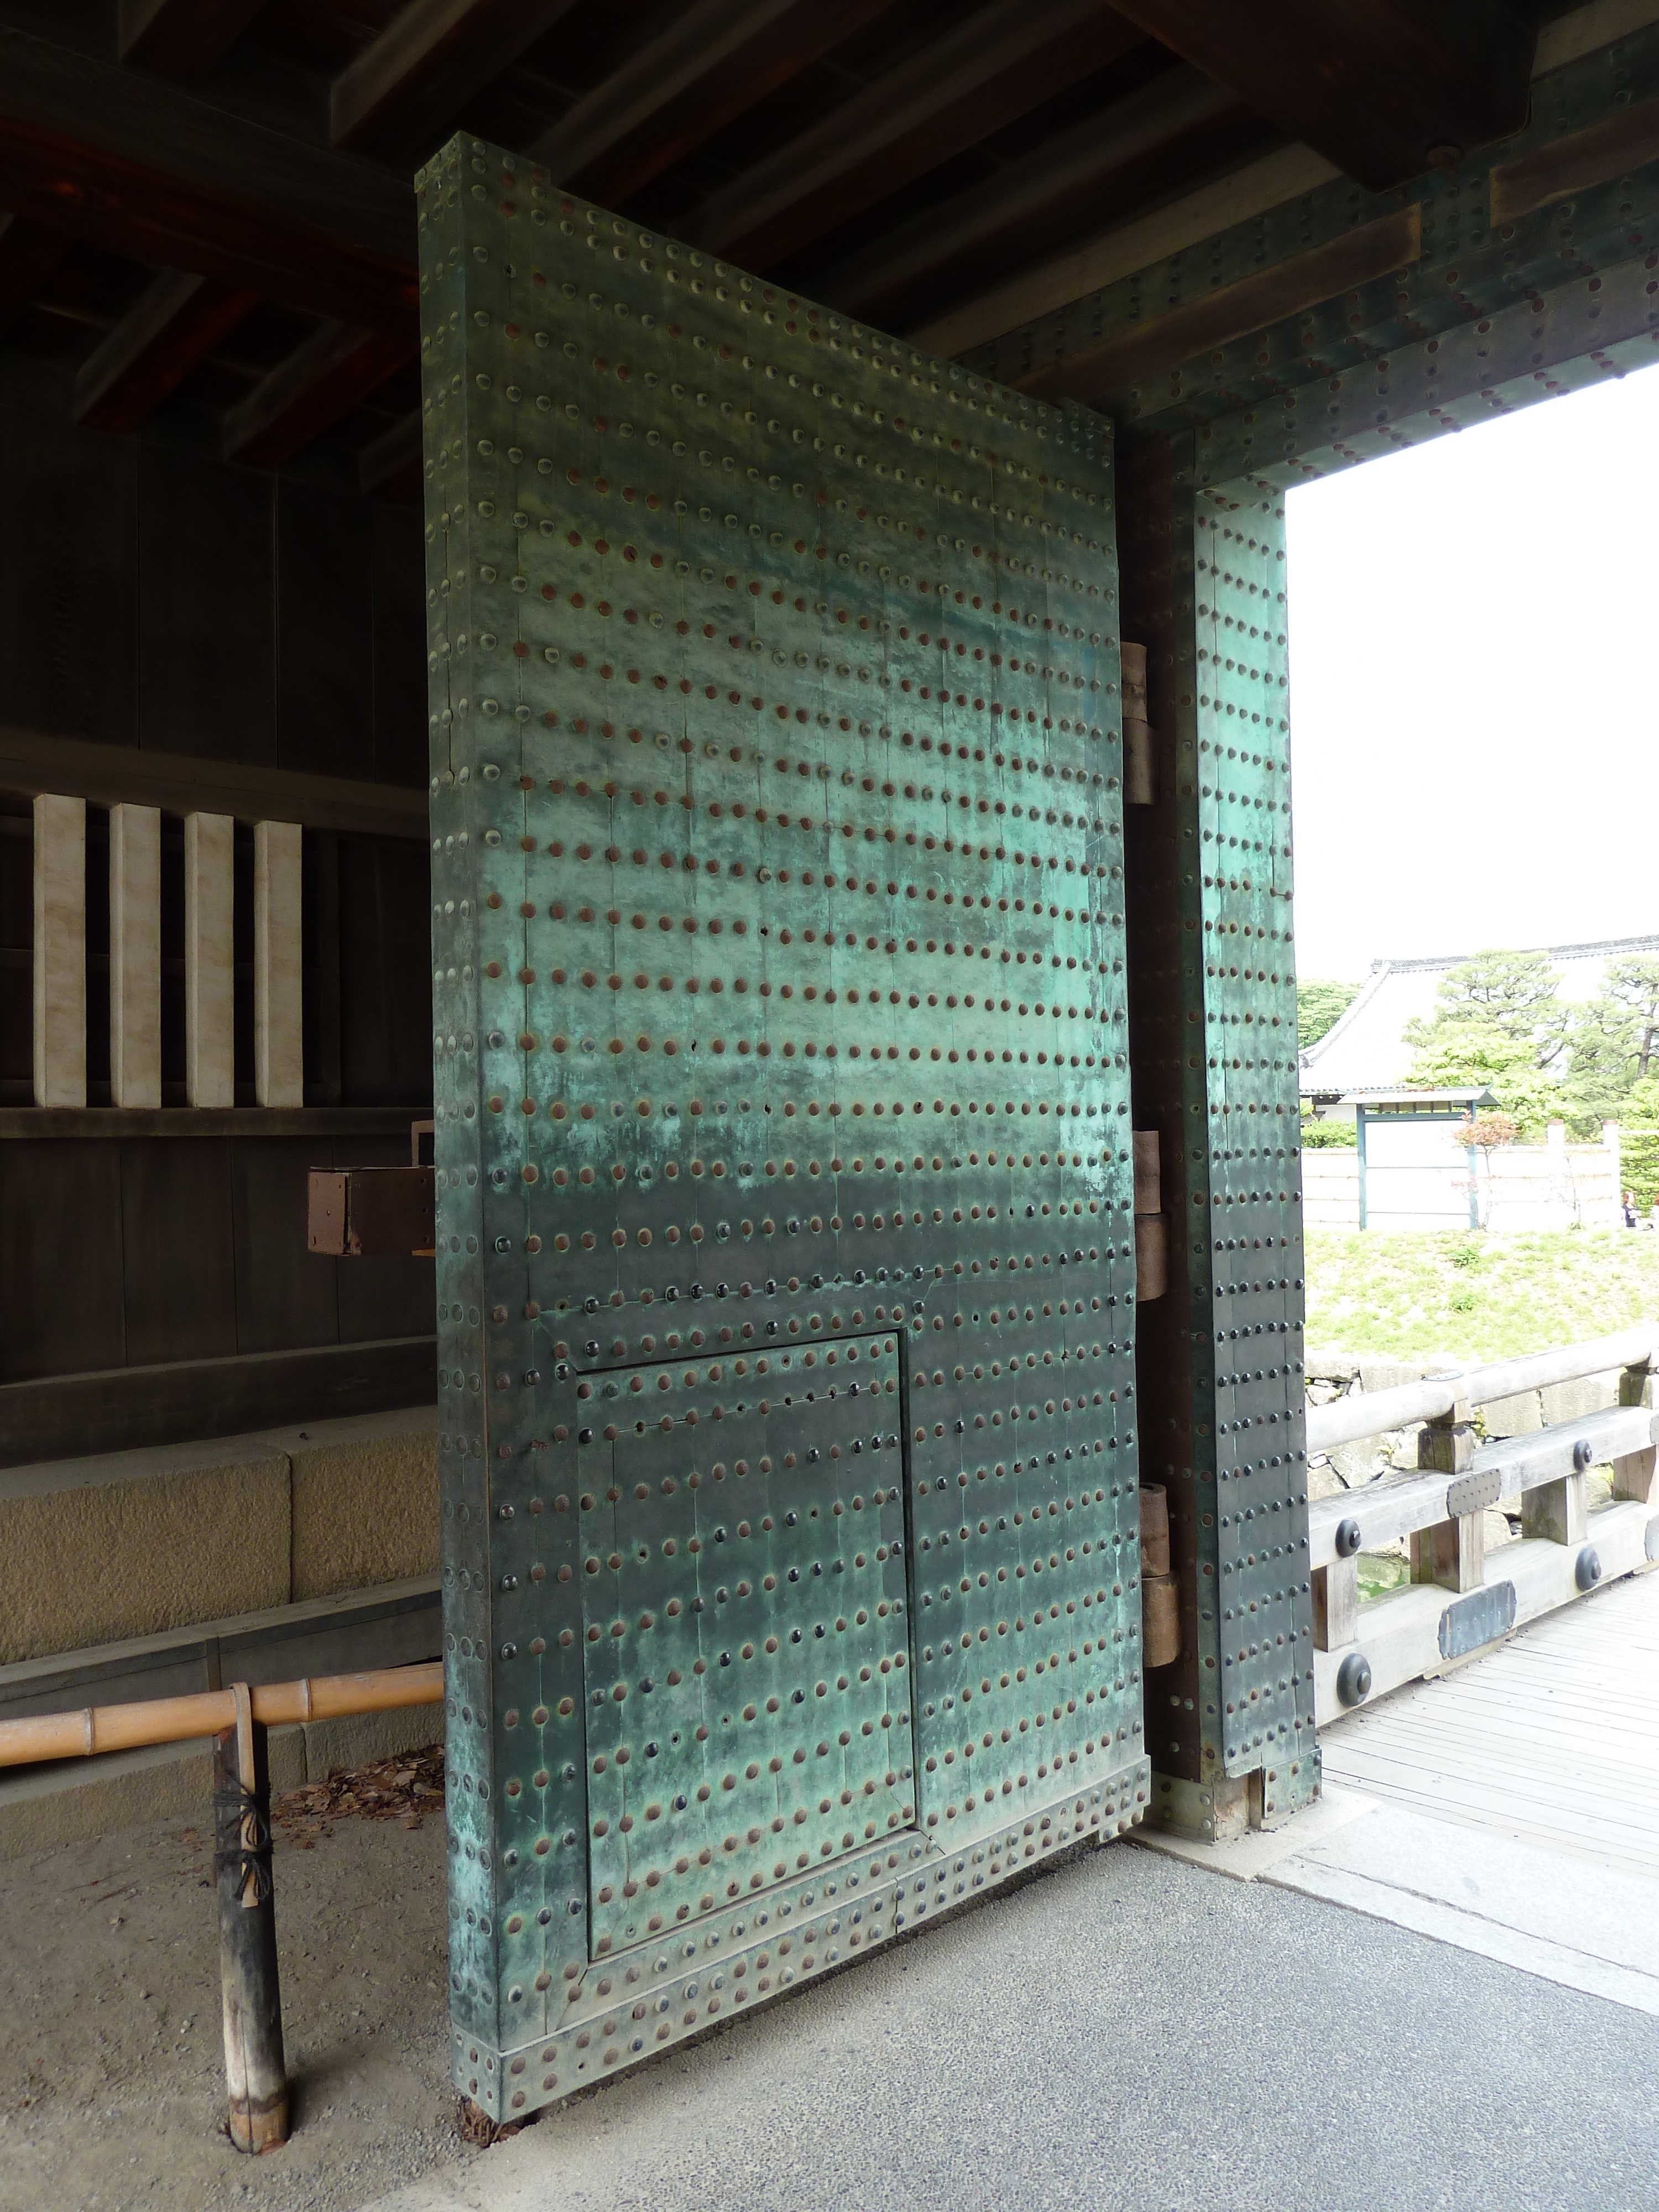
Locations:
{"points": [[786, 1256]]}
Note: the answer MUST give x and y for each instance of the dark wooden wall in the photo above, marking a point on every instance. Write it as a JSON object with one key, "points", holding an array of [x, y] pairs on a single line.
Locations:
{"points": [[153, 597]]}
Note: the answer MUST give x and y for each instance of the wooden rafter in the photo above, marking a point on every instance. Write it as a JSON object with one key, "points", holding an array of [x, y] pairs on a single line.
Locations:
{"points": [[306, 394], [142, 167], [29, 253], [181, 39], [711, 65], [1082, 169], [1004, 59], [393, 458], [1379, 248], [175, 325], [1385, 89], [430, 60]]}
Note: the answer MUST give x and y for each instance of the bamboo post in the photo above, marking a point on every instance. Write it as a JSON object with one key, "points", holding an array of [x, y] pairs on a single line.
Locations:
{"points": [[256, 2075]]}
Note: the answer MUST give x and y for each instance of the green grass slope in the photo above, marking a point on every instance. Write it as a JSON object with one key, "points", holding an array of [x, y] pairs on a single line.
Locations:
{"points": [[1479, 1297]]}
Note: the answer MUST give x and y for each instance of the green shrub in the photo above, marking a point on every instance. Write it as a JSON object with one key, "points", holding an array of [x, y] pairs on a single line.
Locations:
{"points": [[1638, 1164], [1325, 1136]]}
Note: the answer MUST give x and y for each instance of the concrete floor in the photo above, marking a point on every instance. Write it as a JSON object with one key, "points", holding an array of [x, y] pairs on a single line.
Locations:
{"points": [[1129, 2031]]}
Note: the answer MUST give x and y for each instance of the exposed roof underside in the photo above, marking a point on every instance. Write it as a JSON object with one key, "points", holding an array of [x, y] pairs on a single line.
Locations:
{"points": [[210, 199]]}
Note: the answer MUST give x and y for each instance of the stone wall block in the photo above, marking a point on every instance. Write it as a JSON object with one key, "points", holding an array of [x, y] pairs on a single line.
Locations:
{"points": [[365, 1509], [101, 1561]]}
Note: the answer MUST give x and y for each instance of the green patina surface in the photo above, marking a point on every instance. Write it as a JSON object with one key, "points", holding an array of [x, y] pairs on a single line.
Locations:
{"points": [[785, 1258]]}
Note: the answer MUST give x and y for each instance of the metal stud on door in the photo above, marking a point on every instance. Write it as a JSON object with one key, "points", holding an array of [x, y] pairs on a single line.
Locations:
{"points": [[786, 1249]]}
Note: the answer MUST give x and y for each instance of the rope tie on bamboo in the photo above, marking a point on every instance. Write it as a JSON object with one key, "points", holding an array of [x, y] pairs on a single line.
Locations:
{"points": [[241, 1841]]}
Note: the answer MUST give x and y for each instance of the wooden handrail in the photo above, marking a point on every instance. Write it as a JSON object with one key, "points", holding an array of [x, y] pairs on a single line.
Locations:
{"points": [[96, 1729], [1346, 1421]]}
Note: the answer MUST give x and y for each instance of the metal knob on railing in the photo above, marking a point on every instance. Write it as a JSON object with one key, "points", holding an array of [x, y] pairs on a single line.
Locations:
{"points": [[1353, 1679]]}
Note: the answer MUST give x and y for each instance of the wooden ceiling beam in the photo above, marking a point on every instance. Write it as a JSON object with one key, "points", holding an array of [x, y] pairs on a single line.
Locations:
{"points": [[1082, 168], [306, 394], [391, 461], [29, 254], [407, 85], [172, 327], [181, 39], [140, 166], [713, 63], [1385, 89], [1007, 58], [1383, 247]]}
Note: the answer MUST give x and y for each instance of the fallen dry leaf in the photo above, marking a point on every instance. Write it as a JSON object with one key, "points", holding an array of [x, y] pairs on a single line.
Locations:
{"points": [[392, 1788]]}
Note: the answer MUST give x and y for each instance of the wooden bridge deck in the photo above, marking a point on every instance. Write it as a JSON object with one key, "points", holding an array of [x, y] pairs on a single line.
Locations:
{"points": [[1552, 1740]]}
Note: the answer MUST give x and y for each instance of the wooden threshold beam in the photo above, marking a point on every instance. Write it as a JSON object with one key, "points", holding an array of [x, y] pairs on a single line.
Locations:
{"points": [[142, 168], [121, 1408], [711, 65], [430, 59], [175, 324], [305, 395], [1006, 58], [40, 1124], [181, 39], [33, 763], [1385, 89]]}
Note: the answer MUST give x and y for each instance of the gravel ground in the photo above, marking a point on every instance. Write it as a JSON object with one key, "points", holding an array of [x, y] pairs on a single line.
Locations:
{"points": [[112, 2080]]}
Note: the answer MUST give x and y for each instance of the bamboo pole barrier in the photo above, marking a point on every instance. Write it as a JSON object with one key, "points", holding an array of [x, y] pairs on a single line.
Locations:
{"points": [[237, 1719], [97, 1728]]}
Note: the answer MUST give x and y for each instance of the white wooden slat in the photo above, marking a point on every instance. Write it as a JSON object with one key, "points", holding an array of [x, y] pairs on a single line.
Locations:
{"points": [[60, 950], [278, 1059], [135, 955], [209, 969]]}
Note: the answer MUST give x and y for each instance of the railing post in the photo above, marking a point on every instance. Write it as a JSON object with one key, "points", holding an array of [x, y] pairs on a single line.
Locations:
{"points": [[1336, 1605], [1450, 1554], [1558, 1511], [255, 2074], [1633, 1475]]}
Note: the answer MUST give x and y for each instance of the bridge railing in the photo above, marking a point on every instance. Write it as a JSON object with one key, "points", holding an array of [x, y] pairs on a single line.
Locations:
{"points": [[1460, 1598]]}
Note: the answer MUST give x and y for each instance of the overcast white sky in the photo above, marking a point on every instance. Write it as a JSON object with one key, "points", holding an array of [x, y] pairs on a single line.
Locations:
{"points": [[1474, 631]]}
